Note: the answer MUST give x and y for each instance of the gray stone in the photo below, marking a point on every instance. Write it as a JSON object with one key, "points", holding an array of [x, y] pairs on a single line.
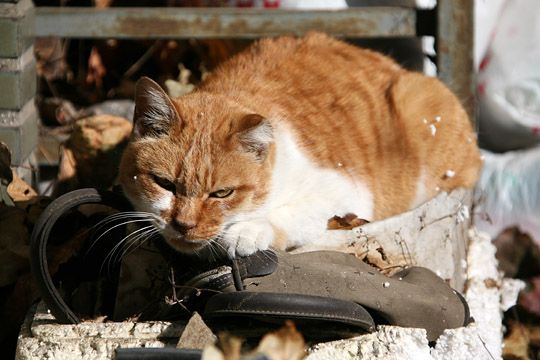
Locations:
{"points": [[16, 27], [41, 337], [196, 335], [19, 131], [17, 80]]}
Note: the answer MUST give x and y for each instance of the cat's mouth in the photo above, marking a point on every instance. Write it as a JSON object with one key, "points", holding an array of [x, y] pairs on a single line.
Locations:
{"points": [[184, 242]]}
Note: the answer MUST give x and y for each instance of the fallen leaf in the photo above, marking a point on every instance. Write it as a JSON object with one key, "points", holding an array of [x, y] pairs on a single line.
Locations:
{"points": [[516, 344], [19, 190], [491, 283], [228, 347], [91, 155], [96, 70], [347, 222], [285, 344]]}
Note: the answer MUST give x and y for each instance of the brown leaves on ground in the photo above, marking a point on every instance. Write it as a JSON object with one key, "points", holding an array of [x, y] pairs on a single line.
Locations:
{"points": [[347, 222], [92, 153], [522, 342], [19, 190]]}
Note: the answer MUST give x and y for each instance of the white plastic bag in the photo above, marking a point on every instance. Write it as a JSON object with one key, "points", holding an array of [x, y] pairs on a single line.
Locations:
{"points": [[508, 193], [509, 79]]}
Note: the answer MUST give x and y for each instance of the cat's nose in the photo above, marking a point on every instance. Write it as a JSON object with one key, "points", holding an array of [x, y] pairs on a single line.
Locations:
{"points": [[183, 226]]}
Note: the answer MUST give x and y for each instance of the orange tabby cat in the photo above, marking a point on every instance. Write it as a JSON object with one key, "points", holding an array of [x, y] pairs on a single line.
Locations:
{"points": [[288, 134]]}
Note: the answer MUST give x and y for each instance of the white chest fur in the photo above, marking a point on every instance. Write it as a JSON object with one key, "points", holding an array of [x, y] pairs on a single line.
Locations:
{"points": [[304, 195]]}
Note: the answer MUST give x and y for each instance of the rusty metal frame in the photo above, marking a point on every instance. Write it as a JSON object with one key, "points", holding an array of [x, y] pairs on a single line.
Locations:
{"points": [[454, 28], [175, 23], [455, 50]]}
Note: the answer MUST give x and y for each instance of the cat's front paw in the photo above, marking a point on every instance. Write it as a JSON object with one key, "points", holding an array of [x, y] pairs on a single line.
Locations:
{"points": [[246, 238]]}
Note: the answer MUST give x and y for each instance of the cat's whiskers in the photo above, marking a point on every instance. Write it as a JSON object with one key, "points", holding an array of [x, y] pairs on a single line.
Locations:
{"points": [[214, 245], [146, 236], [108, 259], [134, 240], [131, 221], [118, 216]]}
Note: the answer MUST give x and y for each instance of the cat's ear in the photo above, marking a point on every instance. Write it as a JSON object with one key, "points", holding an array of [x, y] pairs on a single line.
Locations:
{"points": [[255, 134], [154, 111]]}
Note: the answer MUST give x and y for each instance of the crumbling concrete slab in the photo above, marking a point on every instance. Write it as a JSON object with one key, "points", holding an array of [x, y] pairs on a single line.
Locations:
{"points": [[426, 238], [433, 235], [41, 337], [487, 295]]}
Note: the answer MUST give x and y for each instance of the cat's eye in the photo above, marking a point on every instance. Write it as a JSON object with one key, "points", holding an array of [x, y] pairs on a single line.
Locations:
{"points": [[164, 183], [220, 194]]}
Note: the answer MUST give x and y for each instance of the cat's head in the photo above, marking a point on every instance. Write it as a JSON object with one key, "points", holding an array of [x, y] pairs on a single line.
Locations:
{"points": [[195, 163]]}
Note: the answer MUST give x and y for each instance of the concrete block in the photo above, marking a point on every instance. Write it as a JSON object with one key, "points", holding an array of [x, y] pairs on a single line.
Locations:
{"points": [[19, 130], [17, 80], [42, 338], [16, 27], [433, 235]]}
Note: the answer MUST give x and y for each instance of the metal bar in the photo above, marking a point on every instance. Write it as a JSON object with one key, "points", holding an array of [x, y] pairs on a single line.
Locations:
{"points": [[175, 23], [455, 50]]}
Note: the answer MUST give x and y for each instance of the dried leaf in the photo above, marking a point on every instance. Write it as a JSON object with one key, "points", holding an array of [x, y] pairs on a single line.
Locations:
{"points": [[347, 222], [68, 165], [96, 70], [516, 344], [92, 153], [19, 190], [227, 348], [491, 283], [285, 344], [182, 86]]}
